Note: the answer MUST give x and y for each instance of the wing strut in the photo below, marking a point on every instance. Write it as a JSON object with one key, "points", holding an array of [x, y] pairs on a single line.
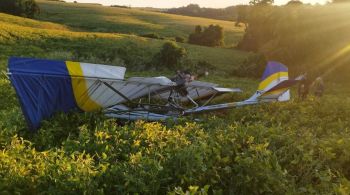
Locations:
{"points": [[116, 91]]}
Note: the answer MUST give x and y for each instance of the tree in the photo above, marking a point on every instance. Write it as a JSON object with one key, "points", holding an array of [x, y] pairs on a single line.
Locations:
{"points": [[195, 38], [242, 15], [261, 2], [198, 29], [24, 8], [194, 8], [294, 3], [213, 36], [210, 36], [171, 55], [179, 39], [341, 1]]}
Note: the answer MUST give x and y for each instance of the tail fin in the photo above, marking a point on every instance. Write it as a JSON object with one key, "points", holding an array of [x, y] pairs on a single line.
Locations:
{"points": [[274, 85]]}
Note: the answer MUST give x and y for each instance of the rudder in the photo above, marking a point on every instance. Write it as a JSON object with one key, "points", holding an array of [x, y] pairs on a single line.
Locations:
{"points": [[274, 85]]}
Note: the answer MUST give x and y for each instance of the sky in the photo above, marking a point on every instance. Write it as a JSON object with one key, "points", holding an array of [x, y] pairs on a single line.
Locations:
{"points": [[179, 3]]}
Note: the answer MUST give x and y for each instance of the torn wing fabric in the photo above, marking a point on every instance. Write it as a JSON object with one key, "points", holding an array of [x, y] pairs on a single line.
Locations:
{"points": [[199, 90], [48, 86], [45, 87]]}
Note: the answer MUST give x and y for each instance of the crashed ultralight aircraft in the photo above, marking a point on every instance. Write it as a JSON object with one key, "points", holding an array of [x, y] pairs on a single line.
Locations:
{"points": [[45, 87]]}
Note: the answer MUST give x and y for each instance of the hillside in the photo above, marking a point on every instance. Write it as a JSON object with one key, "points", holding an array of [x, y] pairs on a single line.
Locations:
{"points": [[49, 40], [87, 17], [229, 13]]}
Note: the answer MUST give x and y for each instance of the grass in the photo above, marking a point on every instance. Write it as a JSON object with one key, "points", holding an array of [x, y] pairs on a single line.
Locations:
{"points": [[33, 38], [88, 17]]}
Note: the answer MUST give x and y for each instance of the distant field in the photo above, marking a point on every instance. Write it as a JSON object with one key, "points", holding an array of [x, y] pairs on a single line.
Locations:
{"points": [[88, 17], [25, 37]]}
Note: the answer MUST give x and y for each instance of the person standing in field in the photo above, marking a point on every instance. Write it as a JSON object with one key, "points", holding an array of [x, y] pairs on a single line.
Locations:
{"points": [[318, 87], [304, 87]]}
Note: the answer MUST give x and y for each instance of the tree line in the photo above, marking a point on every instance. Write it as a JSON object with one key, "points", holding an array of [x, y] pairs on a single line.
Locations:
{"points": [[24, 8], [313, 39], [210, 36], [229, 13]]}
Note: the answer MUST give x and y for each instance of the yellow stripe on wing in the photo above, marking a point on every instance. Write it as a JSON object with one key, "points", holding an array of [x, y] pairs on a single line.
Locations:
{"points": [[80, 88], [271, 78]]}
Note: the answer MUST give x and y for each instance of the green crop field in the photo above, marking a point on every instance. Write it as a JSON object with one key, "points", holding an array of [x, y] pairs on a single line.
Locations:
{"points": [[296, 147], [130, 21], [51, 39]]}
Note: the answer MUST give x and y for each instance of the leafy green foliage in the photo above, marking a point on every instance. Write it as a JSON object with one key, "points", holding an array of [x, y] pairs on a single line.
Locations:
{"points": [[340, 1], [302, 38], [31, 38], [95, 18], [251, 67], [210, 36], [242, 15], [179, 39], [170, 56], [25, 8], [282, 148], [228, 13], [151, 35], [261, 2], [294, 3], [296, 148]]}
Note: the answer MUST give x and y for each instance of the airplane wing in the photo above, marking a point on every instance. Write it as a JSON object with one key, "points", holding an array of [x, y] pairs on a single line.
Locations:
{"points": [[45, 87], [200, 90], [124, 112]]}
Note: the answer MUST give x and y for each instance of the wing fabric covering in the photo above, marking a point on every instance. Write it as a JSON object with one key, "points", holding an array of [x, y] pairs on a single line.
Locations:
{"points": [[196, 90], [45, 87], [199, 90]]}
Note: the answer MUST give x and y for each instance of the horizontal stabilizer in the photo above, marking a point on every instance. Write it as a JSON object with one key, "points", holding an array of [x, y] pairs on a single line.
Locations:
{"points": [[227, 90]]}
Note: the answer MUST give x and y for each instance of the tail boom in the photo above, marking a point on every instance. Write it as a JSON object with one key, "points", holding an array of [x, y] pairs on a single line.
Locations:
{"points": [[274, 87]]}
